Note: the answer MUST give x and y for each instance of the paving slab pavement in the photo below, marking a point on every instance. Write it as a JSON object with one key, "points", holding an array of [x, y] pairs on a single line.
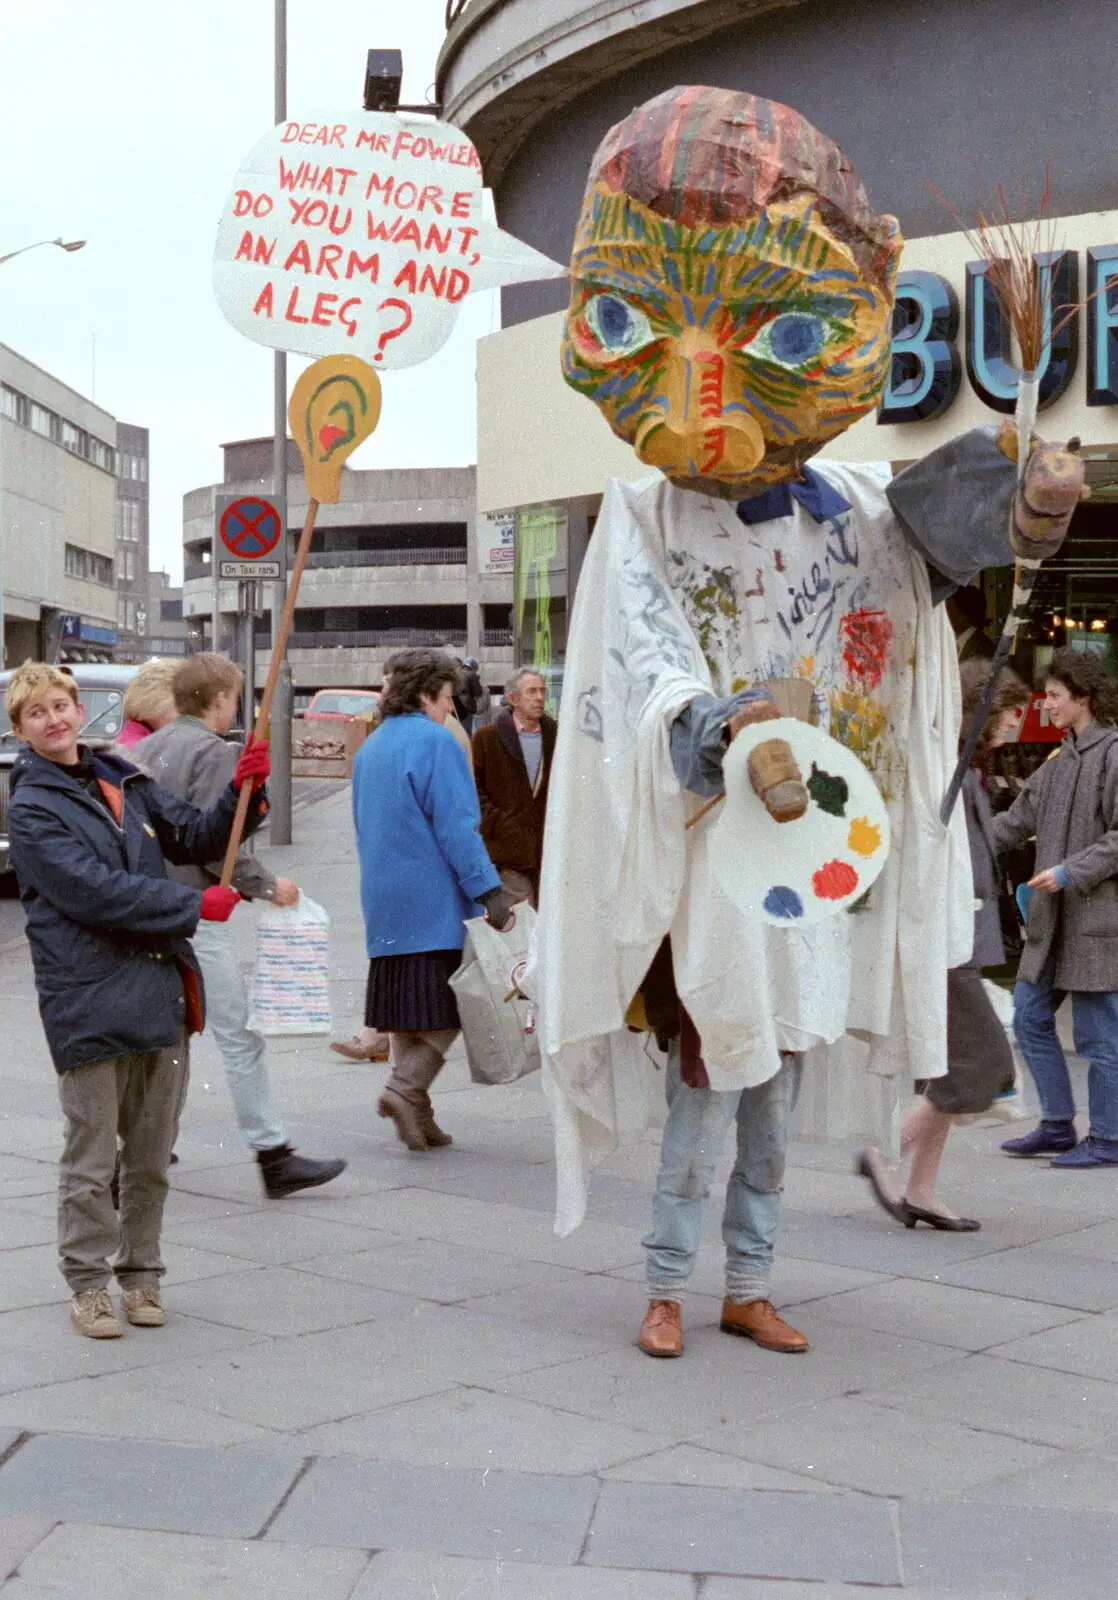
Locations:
{"points": [[403, 1385]]}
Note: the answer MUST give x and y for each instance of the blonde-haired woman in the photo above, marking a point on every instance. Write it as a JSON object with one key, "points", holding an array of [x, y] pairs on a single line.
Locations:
{"points": [[148, 702]]}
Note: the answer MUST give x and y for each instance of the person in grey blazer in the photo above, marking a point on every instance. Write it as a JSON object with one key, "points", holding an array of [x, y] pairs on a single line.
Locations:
{"points": [[979, 1060], [1071, 937], [189, 757]]}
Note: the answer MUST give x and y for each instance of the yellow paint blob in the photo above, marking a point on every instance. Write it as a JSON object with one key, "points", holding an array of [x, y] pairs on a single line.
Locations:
{"points": [[864, 837]]}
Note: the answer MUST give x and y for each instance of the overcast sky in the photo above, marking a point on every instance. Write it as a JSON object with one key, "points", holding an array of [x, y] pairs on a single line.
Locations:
{"points": [[123, 122]]}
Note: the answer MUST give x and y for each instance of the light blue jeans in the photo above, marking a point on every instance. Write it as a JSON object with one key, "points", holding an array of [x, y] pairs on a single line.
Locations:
{"points": [[695, 1132], [242, 1049], [1095, 1031]]}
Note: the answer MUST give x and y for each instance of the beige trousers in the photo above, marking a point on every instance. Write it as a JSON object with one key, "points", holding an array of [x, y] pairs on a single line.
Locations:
{"points": [[138, 1098]]}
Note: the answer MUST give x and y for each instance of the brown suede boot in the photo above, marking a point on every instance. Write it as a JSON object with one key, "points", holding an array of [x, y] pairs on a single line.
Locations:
{"points": [[662, 1329], [436, 1138], [417, 1063], [407, 1117]]}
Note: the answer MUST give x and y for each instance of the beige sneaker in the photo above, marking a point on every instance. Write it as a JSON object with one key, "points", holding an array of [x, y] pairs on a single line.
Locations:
{"points": [[92, 1313], [143, 1307]]}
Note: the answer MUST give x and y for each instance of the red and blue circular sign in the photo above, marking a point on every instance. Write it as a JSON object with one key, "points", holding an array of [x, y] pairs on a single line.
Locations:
{"points": [[250, 528]]}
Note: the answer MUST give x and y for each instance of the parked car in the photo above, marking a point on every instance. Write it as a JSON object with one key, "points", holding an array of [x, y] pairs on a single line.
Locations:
{"points": [[101, 690], [339, 705]]}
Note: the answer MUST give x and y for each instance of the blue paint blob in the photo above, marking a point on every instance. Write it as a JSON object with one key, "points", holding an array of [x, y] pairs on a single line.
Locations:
{"points": [[784, 902]]}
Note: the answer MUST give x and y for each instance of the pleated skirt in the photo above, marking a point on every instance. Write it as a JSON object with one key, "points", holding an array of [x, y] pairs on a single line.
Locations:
{"points": [[412, 993]]}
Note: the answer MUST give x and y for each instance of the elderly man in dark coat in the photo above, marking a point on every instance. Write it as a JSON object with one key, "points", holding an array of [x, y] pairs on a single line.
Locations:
{"points": [[512, 768], [1071, 805]]}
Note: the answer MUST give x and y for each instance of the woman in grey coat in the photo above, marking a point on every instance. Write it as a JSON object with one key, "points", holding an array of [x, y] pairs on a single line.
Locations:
{"points": [[979, 1061], [1071, 805]]}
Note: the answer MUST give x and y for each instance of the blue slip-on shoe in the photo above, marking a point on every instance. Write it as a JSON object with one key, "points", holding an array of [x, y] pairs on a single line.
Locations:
{"points": [[1045, 1139], [1090, 1153]]}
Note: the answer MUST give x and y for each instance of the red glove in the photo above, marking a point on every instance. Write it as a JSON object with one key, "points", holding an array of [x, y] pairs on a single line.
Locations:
{"points": [[255, 763], [218, 904]]}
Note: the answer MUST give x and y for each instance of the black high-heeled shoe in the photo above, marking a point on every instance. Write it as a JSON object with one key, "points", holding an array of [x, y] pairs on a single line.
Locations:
{"points": [[897, 1209], [915, 1214]]}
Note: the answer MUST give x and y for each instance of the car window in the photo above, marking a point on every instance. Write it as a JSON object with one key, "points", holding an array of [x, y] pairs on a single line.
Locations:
{"points": [[104, 713], [343, 705]]}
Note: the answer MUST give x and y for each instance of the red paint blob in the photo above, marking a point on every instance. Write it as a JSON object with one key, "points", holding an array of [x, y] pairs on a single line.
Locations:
{"points": [[328, 433], [867, 637], [834, 881]]}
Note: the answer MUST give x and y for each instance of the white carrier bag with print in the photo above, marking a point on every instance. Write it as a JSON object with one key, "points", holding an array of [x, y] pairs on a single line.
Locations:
{"points": [[498, 1022], [290, 987]]}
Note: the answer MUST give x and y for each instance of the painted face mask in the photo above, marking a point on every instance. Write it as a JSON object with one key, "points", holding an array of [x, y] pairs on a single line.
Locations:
{"points": [[732, 290]]}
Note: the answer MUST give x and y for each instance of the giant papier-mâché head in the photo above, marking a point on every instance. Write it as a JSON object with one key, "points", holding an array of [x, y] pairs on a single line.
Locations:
{"points": [[732, 290]]}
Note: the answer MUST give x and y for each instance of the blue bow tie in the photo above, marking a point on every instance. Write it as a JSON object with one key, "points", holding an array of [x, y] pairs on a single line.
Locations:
{"points": [[814, 493]]}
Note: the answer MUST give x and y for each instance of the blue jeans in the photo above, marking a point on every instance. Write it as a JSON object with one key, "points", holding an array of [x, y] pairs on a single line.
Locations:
{"points": [[693, 1138], [1095, 1030], [241, 1048]]}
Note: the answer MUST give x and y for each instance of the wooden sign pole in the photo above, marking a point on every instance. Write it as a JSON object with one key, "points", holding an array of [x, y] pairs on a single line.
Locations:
{"points": [[279, 649], [335, 405]]}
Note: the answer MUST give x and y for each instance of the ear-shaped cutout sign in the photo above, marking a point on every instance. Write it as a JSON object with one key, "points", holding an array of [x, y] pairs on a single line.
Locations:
{"points": [[335, 405]]}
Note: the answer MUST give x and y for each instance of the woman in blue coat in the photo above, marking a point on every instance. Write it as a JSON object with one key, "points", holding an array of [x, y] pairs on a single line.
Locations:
{"points": [[424, 872]]}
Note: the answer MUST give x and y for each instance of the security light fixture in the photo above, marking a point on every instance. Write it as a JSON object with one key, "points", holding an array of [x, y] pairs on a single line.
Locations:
{"points": [[384, 73]]}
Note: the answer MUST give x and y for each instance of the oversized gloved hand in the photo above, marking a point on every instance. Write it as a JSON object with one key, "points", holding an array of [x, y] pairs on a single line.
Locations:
{"points": [[255, 763], [1046, 499], [218, 904], [498, 905]]}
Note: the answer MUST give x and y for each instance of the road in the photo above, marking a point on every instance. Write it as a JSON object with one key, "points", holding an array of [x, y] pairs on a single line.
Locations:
{"points": [[305, 792]]}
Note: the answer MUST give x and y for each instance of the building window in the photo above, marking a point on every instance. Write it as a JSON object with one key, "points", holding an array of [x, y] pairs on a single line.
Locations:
{"points": [[41, 420], [170, 610], [88, 565], [13, 405], [72, 438], [129, 557]]}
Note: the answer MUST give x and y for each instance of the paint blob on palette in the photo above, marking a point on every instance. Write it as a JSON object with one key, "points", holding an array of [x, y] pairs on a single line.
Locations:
{"points": [[795, 873]]}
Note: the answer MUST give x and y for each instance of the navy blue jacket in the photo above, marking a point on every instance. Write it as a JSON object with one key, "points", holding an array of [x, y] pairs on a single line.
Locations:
{"points": [[109, 931]]}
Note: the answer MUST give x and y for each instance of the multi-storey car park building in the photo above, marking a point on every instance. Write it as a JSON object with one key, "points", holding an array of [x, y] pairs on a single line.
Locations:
{"points": [[913, 94], [400, 560]]}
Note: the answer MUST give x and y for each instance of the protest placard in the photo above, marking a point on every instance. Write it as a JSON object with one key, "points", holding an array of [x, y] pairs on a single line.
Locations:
{"points": [[363, 232]]}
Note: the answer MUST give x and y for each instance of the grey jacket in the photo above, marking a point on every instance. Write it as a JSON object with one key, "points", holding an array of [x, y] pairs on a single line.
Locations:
{"points": [[193, 762], [1071, 805], [989, 947]]}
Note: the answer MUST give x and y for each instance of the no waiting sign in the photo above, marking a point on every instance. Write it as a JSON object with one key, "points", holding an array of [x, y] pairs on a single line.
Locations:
{"points": [[250, 531]]}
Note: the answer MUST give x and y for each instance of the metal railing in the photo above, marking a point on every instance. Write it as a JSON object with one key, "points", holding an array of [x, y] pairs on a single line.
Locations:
{"points": [[454, 9], [425, 556], [371, 639], [497, 637]]}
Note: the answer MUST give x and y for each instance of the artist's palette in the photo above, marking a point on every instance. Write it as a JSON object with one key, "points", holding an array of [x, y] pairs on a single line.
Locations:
{"points": [[794, 873]]}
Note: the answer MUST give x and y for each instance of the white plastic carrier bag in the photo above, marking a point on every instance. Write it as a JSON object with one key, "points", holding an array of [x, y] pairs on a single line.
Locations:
{"points": [[498, 1022], [290, 988]]}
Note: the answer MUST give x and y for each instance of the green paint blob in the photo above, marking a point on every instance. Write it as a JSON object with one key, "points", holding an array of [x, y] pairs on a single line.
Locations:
{"points": [[829, 792]]}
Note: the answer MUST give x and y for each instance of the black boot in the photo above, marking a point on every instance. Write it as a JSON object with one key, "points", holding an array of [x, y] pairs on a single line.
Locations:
{"points": [[286, 1173]]}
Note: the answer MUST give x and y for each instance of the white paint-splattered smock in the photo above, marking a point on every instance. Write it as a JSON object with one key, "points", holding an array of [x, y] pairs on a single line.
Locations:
{"points": [[678, 597]]}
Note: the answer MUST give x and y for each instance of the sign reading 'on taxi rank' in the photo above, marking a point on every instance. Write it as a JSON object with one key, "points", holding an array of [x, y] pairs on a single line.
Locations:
{"points": [[361, 232], [250, 542]]}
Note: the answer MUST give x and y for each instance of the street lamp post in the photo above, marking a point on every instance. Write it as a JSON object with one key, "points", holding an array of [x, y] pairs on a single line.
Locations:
{"points": [[68, 245]]}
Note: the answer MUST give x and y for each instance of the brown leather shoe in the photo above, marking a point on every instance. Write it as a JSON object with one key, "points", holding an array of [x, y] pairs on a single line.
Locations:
{"points": [[408, 1118], [354, 1050], [662, 1329], [761, 1323]]}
